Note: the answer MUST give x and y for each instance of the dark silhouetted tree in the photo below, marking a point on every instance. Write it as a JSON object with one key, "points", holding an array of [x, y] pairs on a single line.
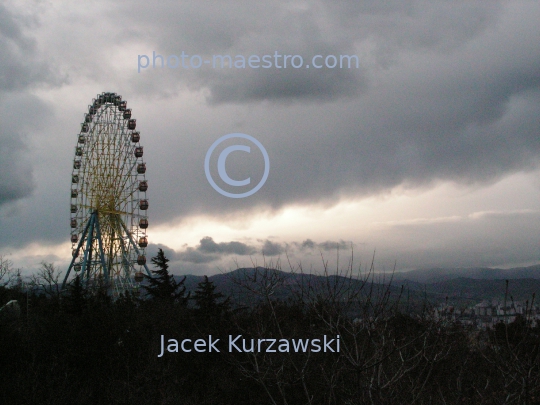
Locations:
{"points": [[207, 299], [163, 286]]}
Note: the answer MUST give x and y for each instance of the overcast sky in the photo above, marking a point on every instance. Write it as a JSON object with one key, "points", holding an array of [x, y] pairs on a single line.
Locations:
{"points": [[427, 154]]}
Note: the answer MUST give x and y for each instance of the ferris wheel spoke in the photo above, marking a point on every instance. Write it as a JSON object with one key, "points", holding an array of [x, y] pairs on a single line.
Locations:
{"points": [[131, 190]]}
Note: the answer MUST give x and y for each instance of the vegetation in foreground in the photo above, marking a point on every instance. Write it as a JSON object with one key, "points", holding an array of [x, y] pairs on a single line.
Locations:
{"points": [[80, 347]]}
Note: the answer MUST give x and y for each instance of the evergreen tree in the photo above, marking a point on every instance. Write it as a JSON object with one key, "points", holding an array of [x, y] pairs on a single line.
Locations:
{"points": [[207, 299], [163, 286]]}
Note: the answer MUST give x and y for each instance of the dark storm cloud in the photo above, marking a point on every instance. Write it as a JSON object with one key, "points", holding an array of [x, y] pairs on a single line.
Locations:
{"points": [[261, 29], [21, 68], [445, 92], [288, 85], [21, 114], [305, 29], [187, 261], [207, 245], [193, 255], [328, 245], [272, 249], [16, 174], [404, 25], [209, 251], [307, 244], [20, 64]]}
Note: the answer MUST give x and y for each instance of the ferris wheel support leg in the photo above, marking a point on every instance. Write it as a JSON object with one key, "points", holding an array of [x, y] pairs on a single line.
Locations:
{"points": [[88, 244], [127, 265], [76, 253], [101, 254], [135, 247]]}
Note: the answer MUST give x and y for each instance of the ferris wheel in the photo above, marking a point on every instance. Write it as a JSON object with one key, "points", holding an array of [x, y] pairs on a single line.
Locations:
{"points": [[108, 199]]}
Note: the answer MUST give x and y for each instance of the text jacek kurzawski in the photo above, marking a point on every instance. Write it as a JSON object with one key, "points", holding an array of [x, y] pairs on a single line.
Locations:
{"points": [[239, 344]]}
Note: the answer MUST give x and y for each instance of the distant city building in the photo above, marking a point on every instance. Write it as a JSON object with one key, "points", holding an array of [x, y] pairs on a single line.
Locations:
{"points": [[487, 314]]}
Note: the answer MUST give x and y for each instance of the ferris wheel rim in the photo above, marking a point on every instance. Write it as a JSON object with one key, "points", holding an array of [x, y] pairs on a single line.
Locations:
{"points": [[108, 190]]}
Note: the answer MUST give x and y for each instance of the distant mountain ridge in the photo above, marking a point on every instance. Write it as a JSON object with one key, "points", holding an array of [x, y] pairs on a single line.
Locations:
{"points": [[244, 282], [462, 288], [436, 275], [474, 284], [419, 276]]}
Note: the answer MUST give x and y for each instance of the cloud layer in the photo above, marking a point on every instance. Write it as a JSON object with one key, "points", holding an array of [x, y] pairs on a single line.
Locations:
{"points": [[444, 92]]}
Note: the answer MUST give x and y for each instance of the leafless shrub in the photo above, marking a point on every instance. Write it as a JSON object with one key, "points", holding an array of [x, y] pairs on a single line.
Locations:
{"points": [[47, 280], [376, 361], [8, 275]]}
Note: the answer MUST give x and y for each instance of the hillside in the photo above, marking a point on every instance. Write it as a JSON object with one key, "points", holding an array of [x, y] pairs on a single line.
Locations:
{"points": [[246, 284]]}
